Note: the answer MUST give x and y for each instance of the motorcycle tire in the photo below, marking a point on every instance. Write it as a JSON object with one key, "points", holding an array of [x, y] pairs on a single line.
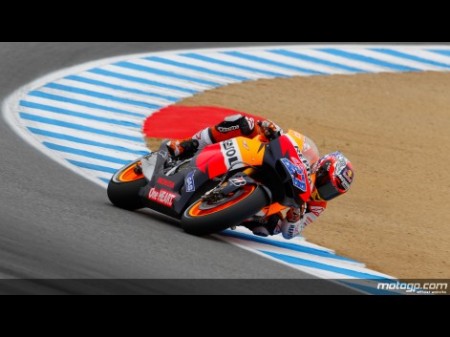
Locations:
{"points": [[124, 186], [227, 213]]}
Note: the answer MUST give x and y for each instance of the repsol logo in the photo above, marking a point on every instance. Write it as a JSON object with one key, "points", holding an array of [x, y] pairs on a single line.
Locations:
{"points": [[229, 129], [230, 152]]}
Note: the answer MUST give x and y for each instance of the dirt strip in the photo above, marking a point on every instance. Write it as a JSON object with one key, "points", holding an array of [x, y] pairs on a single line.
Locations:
{"points": [[395, 128]]}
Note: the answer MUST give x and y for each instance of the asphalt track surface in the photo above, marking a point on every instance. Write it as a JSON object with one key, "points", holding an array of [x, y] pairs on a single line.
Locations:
{"points": [[56, 225]]}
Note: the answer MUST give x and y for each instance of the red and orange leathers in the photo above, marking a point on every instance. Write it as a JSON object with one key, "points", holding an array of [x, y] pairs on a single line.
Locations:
{"points": [[247, 150]]}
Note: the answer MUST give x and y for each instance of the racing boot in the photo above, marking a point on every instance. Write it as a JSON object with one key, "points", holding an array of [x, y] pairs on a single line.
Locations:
{"points": [[265, 226]]}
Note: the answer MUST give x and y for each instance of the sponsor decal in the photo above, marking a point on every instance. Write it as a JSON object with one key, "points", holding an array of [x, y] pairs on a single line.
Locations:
{"points": [[298, 174], [316, 210], [231, 154], [189, 182], [162, 197], [229, 129], [346, 178], [348, 175], [344, 174], [165, 182], [308, 168], [251, 123], [238, 181]]}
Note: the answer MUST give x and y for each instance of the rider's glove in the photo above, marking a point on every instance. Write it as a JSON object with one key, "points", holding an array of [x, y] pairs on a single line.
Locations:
{"points": [[270, 129], [182, 148]]}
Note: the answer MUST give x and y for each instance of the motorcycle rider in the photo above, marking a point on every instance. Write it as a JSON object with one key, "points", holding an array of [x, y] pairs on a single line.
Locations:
{"points": [[334, 172]]}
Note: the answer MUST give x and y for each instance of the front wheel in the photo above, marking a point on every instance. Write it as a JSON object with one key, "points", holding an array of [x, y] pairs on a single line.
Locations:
{"points": [[203, 217], [123, 189]]}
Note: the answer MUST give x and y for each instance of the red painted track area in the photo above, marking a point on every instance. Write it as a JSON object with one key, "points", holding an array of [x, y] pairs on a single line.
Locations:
{"points": [[178, 121]]}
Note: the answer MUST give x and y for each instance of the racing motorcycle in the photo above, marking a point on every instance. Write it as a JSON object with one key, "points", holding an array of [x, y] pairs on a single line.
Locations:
{"points": [[223, 185]]}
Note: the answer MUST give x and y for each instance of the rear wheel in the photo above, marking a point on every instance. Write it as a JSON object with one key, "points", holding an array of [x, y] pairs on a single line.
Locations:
{"points": [[206, 217], [123, 189]]}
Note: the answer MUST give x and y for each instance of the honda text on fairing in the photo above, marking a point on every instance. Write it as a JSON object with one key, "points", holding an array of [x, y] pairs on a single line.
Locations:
{"points": [[221, 186]]}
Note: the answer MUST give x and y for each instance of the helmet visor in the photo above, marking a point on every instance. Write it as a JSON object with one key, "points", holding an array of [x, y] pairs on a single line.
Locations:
{"points": [[328, 191]]}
